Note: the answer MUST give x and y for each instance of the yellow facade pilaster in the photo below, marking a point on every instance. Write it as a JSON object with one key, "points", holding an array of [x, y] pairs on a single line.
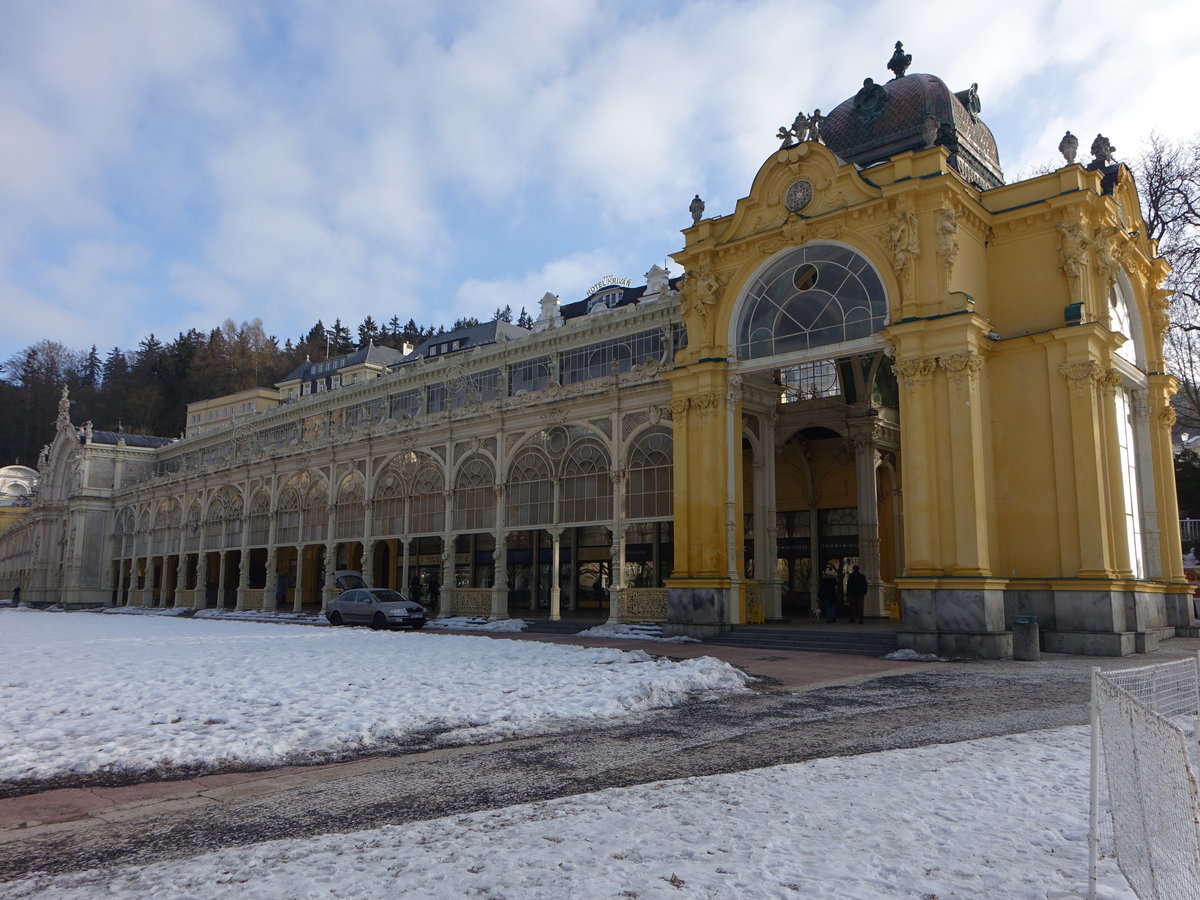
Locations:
{"points": [[708, 472], [1160, 389]]}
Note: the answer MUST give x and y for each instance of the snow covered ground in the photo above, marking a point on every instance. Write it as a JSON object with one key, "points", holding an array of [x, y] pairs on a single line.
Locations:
{"points": [[85, 692], [998, 818]]}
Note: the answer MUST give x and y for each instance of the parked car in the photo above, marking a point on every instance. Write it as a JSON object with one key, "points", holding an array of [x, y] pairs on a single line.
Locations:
{"points": [[378, 607]]}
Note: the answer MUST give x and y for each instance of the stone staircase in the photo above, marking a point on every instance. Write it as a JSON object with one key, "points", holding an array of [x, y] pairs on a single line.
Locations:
{"points": [[564, 626], [857, 643]]}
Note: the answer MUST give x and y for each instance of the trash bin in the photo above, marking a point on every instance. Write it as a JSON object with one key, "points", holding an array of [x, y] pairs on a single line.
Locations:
{"points": [[1026, 644]]}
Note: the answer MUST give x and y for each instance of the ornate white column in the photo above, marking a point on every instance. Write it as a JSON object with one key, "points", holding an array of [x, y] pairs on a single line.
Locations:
{"points": [[298, 599], [555, 581], [222, 573], [269, 579], [500, 557], [244, 560], [617, 551], [866, 461], [330, 566], [148, 581], [445, 606], [200, 600]]}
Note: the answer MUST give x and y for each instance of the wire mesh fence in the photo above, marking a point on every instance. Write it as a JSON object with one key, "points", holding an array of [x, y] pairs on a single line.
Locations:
{"points": [[1145, 810]]}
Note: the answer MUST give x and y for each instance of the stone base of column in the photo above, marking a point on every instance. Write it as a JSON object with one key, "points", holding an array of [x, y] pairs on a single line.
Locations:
{"points": [[967, 621], [697, 612], [959, 644]]}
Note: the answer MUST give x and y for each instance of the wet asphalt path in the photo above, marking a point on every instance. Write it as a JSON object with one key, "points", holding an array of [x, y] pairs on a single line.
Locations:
{"points": [[926, 705]]}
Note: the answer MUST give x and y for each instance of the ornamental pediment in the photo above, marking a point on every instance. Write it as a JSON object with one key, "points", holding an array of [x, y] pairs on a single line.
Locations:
{"points": [[800, 182]]}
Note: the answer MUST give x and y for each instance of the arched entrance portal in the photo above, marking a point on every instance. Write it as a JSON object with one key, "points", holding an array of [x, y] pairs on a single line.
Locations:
{"points": [[810, 423], [806, 332]]}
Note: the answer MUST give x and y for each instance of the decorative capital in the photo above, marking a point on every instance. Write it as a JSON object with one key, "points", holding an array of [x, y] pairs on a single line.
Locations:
{"points": [[962, 365], [706, 404], [1081, 372], [912, 372], [1166, 416], [679, 407]]}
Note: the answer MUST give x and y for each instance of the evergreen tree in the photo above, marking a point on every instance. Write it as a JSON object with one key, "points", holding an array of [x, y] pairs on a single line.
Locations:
{"points": [[525, 320], [368, 331]]}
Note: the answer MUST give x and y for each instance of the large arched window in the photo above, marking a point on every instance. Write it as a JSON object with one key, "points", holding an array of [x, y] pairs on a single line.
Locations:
{"points": [[650, 470], [530, 491], [428, 501], [388, 507], [350, 510], [586, 486], [475, 497], [815, 296]]}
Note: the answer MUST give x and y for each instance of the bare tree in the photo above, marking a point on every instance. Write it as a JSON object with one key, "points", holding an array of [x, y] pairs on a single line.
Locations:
{"points": [[1169, 184]]}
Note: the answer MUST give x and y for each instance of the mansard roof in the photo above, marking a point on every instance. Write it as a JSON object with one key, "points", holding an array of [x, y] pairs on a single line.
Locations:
{"points": [[379, 356]]}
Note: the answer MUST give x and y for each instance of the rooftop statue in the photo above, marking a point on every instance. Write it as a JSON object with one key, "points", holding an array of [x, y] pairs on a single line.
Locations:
{"points": [[1068, 147], [1102, 151], [900, 61], [814, 126], [696, 208]]}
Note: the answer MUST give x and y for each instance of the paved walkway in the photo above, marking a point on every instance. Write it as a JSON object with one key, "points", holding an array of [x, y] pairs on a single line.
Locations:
{"points": [[65, 809]]}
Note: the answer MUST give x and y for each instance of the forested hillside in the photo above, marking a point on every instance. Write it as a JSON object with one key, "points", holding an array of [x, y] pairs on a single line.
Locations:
{"points": [[146, 390]]}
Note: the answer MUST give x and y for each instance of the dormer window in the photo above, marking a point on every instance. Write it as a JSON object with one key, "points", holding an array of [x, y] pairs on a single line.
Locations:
{"points": [[604, 300]]}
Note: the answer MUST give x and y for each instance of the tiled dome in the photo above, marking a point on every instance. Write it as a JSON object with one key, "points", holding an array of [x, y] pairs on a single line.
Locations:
{"points": [[915, 112]]}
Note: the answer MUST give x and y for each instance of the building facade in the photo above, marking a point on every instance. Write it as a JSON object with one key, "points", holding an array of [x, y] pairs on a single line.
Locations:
{"points": [[883, 355]]}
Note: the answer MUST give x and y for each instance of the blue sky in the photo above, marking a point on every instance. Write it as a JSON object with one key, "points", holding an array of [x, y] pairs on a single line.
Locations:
{"points": [[169, 164]]}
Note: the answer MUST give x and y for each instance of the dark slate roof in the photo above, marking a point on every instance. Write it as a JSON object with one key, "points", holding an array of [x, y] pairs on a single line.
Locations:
{"points": [[131, 440], [380, 356], [480, 335], [896, 127], [629, 295]]}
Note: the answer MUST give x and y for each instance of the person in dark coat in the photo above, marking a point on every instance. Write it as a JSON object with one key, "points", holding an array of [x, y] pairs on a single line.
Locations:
{"points": [[827, 592], [856, 593]]}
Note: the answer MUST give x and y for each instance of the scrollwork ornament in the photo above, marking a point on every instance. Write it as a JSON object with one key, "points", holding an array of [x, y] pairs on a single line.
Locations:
{"points": [[1110, 380], [1166, 416], [680, 406], [733, 393]]}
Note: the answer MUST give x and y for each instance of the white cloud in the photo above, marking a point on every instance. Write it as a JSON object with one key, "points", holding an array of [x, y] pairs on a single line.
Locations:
{"points": [[426, 160]]}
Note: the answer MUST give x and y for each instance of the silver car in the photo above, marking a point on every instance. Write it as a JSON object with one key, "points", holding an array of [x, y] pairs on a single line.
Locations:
{"points": [[378, 607]]}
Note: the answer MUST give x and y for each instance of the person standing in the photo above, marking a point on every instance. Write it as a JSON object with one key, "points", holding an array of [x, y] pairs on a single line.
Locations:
{"points": [[856, 593], [827, 592]]}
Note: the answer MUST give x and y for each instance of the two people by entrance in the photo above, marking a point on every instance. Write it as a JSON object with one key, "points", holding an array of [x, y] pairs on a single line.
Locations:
{"points": [[827, 593]]}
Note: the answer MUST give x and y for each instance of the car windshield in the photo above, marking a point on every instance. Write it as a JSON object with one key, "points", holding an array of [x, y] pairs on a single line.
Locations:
{"points": [[385, 596]]}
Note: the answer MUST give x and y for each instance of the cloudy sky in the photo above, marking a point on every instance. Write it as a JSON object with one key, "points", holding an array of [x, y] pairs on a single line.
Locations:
{"points": [[167, 164]]}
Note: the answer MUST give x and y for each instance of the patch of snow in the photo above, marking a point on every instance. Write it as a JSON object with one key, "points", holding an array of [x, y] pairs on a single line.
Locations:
{"points": [[85, 693], [476, 623], [643, 631], [999, 817], [914, 656]]}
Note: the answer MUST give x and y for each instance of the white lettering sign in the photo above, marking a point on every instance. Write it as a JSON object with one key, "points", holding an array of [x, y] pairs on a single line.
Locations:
{"points": [[609, 281]]}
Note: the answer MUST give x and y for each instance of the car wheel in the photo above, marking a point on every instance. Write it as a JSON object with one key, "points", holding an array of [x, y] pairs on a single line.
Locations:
{"points": [[379, 622], [335, 618], [418, 627]]}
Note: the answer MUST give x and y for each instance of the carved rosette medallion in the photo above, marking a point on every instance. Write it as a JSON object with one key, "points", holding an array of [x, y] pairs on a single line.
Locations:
{"points": [[798, 196]]}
